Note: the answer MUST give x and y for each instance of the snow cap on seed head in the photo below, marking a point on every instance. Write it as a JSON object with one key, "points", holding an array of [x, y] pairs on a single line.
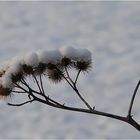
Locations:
{"points": [[52, 56], [76, 54]]}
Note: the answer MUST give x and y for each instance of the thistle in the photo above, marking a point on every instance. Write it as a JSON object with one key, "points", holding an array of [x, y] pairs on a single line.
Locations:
{"points": [[28, 70], [4, 92], [66, 62], [55, 75], [17, 77], [40, 69], [82, 65]]}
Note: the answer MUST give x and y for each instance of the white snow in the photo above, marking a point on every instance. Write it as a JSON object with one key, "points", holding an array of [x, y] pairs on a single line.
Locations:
{"points": [[76, 54], [31, 59], [6, 81], [69, 52], [83, 54], [52, 56], [15, 65]]}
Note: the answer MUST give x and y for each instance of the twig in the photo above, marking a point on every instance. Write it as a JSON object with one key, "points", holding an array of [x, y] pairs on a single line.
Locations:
{"points": [[132, 100], [18, 91], [68, 75], [37, 83], [77, 76], [80, 96], [30, 101], [40, 77]]}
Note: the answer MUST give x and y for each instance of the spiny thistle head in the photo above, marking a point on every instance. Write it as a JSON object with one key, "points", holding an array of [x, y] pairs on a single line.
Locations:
{"points": [[66, 62], [4, 92], [51, 66], [82, 65], [52, 62], [2, 73], [41, 68], [17, 77], [28, 70], [55, 75]]}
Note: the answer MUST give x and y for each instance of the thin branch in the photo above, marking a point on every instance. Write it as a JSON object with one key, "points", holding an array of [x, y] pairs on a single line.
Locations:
{"points": [[40, 77], [73, 86], [128, 120], [80, 96], [21, 87], [67, 81], [132, 100], [14, 91], [77, 76], [31, 91], [37, 83], [100, 113], [68, 75], [30, 101]]}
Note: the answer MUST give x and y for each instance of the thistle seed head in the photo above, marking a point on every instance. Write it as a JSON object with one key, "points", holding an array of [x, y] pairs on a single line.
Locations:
{"points": [[55, 75], [17, 77], [28, 69], [4, 92], [83, 65], [41, 68], [66, 62]]}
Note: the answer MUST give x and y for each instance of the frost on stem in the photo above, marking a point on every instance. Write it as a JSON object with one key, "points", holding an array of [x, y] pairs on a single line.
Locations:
{"points": [[47, 63]]}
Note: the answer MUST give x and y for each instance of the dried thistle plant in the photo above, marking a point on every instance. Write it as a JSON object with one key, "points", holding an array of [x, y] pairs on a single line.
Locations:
{"points": [[55, 66]]}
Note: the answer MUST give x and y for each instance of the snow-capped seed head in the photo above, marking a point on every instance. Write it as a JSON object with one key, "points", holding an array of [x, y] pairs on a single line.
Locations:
{"points": [[66, 62], [17, 77], [55, 75], [40, 69], [51, 66], [83, 55], [2, 73], [4, 92], [31, 59], [69, 52], [76, 54], [15, 66], [52, 56], [82, 65], [28, 70], [6, 81]]}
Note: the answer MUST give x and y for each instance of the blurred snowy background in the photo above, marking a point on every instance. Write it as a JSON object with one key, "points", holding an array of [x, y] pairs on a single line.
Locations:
{"points": [[110, 30]]}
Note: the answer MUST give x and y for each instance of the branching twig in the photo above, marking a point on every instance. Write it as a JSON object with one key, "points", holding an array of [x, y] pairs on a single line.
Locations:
{"points": [[55, 104], [73, 84], [30, 101]]}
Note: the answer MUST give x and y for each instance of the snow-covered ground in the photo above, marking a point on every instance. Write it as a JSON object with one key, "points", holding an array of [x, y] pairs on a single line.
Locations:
{"points": [[110, 30]]}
